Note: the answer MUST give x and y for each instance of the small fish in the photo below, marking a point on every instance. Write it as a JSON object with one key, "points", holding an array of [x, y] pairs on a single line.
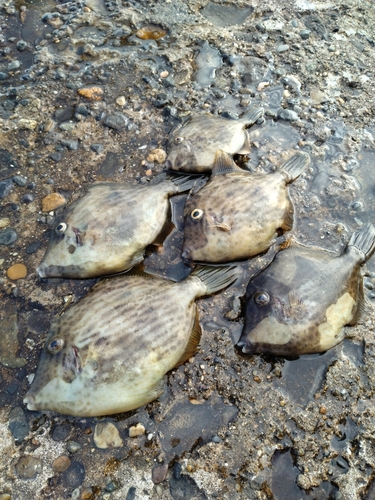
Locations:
{"points": [[237, 214], [193, 145], [107, 230], [302, 301], [109, 352]]}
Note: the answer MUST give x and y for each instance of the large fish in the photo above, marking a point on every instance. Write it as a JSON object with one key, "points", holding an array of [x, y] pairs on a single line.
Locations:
{"points": [[109, 352], [192, 146], [107, 230], [302, 301], [237, 214]]}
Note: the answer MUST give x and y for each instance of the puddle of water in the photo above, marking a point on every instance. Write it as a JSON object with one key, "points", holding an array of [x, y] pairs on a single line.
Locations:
{"points": [[225, 15], [207, 61]]}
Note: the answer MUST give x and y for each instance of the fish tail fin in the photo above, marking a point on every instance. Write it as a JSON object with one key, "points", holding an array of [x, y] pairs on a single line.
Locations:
{"points": [[296, 165], [363, 239], [252, 115], [216, 278], [184, 182]]}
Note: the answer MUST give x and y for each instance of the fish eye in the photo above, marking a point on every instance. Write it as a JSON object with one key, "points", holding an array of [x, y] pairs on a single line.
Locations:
{"points": [[55, 345], [261, 298], [178, 139], [61, 228], [196, 213]]}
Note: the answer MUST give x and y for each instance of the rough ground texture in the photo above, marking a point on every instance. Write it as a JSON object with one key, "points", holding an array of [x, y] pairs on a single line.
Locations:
{"points": [[83, 98]]}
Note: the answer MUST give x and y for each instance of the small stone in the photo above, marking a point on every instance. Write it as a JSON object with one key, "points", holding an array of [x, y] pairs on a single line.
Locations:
{"points": [[4, 222], [87, 494], [52, 202], [287, 114], [28, 467], [305, 34], [317, 96], [97, 148], [61, 463], [121, 101], [262, 85], [137, 430], [5, 496], [164, 74], [55, 156], [14, 65], [33, 247], [151, 32], [25, 123], [93, 93], [20, 180], [28, 198], [117, 121], [8, 236], [3, 76], [18, 424], [282, 48], [158, 155], [73, 446], [17, 271], [70, 144], [323, 410], [159, 473], [106, 435], [5, 187]]}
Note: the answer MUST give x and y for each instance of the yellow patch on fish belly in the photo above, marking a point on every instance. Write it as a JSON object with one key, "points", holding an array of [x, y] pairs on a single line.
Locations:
{"points": [[338, 315], [270, 331]]}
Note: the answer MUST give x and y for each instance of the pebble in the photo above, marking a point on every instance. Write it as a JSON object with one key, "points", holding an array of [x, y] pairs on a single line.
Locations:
{"points": [[137, 430], [5, 496], [70, 144], [93, 93], [18, 424], [282, 48], [52, 202], [19, 180], [55, 156], [159, 473], [3, 76], [14, 65], [121, 101], [28, 467], [73, 446], [106, 435], [4, 222], [28, 198], [97, 148], [8, 236], [287, 114], [75, 475], [27, 124], [5, 187], [117, 121], [61, 463], [158, 155], [305, 34], [150, 32], [131, 493], [17, 271]]}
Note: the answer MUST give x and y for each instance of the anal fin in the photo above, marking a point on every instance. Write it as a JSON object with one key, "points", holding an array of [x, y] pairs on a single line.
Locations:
{"points": [[193, 343]]}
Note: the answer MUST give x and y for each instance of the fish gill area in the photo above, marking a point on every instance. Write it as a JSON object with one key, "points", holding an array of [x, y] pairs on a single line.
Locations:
{"points": [[89, 91]]}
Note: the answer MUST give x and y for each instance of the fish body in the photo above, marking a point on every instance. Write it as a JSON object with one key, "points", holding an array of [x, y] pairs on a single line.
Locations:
{"points": [[237, 214], [107, 230], [302, 301], [192, 147], [109, 352]]}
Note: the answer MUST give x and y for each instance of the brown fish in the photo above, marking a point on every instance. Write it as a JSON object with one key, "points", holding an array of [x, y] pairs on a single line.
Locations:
{"points": [[109, 352], [302, 301], [192, 146], [107, 230], [237, 214]]}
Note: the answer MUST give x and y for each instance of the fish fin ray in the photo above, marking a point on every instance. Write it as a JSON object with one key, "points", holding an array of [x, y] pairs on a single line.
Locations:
{"points": [[216, 278], [193, 343], [184, 182], [295, 165], [224, 164], [245, 148], [363, 307], [252, 115], [363, 239], [288, 222]]}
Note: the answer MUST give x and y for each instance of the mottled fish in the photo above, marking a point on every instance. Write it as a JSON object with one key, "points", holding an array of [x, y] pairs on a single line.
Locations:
{"points": [[109, 352], [302, 301], [237, 214], [192, 146], [107, 230]]}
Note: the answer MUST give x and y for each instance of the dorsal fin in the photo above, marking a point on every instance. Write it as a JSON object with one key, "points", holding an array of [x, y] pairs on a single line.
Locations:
{"points": [[224, 164]]}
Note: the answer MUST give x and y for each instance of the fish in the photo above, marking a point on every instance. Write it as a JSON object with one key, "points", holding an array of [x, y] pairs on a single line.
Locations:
{"points": [[302, 301], [109, 352], [107, 230], [192, 146], [238, 214]]}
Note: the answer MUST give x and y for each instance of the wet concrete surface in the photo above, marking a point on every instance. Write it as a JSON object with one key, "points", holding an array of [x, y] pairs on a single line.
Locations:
{"points": [[84, 98]]}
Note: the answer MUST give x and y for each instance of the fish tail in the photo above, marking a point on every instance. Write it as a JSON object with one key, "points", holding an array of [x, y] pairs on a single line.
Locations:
{"points": [[183, 182], [216, 278], [296, 165], [363, 239], [252, 115]]}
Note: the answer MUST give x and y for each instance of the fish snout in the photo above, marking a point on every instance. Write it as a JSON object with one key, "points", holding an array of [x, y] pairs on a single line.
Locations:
{"points": [[186, 254], [29, 401], [41, 270], [245, 347]]}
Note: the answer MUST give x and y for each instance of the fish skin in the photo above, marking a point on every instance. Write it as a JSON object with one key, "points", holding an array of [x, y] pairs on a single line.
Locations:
{"points": [[192, 146], [242, 211], [302, 301], [113, 347], [108, 228]]}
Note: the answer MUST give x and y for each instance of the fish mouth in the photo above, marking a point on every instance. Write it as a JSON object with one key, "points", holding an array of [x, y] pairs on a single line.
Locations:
{"points": [[245, 347], [41, 270], [186, 254], [29, 401]]}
